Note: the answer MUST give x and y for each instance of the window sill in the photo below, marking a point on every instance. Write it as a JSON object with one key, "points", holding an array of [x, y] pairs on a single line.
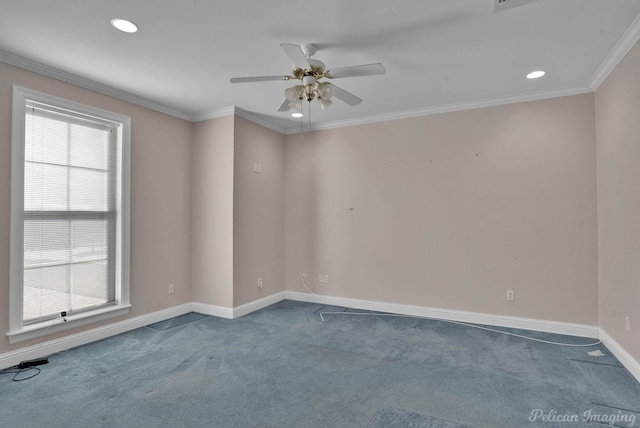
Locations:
{"points": [[39, 330]]}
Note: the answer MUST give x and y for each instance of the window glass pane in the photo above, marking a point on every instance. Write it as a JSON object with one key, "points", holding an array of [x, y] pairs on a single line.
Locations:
{"points": [[67, 264], [46, 291], [47, 241], [90, 147], [49, 290], [91, 239], [88, 190], [46, 187], [89, 285], [46, 140]]}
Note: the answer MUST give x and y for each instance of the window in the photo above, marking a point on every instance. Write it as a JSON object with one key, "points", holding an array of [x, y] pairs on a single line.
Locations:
{"points": [[69, 215]]}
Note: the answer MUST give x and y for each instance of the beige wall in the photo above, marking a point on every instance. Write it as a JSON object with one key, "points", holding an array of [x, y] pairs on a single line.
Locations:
{"points": [[212, 216], [451, 210], [258, 212], [160, 194], [238, 215], [445, 211], [618, 150]]}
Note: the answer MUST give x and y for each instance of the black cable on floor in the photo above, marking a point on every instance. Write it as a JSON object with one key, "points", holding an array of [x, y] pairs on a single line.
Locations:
{"points": [[16, 371]]}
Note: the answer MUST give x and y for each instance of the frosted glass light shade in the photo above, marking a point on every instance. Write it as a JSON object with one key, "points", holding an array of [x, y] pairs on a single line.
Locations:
{"points": [[324, 104], [291, 94], [295, 104], [325, 91]]}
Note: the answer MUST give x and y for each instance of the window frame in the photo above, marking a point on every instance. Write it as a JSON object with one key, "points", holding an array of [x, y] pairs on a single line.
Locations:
{"points": [[18, 331]]}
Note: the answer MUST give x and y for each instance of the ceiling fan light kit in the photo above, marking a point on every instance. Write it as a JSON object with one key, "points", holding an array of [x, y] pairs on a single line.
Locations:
{"points": [[310, 72]]}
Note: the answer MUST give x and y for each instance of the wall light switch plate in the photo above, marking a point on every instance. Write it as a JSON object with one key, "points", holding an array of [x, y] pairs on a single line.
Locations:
{"points": [[511, 295], [326, 279]]}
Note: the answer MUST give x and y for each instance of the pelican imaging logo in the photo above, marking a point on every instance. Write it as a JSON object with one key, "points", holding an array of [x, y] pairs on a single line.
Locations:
{"points": [[619, 417]]}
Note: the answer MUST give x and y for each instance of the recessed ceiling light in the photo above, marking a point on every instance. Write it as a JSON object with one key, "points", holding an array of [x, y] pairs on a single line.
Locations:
{"points": [[124, 25], [536, 74], [297, 114]]}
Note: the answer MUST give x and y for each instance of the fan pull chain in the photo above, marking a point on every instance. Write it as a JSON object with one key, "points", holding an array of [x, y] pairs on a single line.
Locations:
{"points": [[301, 119]]}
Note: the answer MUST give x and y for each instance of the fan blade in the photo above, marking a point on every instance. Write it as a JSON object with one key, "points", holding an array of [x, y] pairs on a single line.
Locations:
{"points": [[356, 71], [295, 54], [345, 96], [257, 79], [285, 106]]}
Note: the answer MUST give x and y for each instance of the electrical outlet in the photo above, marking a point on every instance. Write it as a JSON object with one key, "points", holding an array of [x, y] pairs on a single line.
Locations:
{"points": [[326, 279], [304, 277], [627, 323], [260, 284], [172, 288], [511, 295], [320, 278]]}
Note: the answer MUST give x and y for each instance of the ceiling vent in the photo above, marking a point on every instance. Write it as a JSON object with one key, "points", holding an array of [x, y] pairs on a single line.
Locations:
{"points": [[508, 4]]}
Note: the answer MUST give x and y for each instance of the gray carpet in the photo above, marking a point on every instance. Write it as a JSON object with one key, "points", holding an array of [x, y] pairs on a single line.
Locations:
{"points": [[396, 418], [282, 367]]}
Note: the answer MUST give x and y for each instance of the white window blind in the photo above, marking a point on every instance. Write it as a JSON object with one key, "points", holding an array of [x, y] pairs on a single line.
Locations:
{"points": [[70, 212]]}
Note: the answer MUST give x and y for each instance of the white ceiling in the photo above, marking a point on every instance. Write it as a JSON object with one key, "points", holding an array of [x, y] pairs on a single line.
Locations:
{"points": [[439, 55]]}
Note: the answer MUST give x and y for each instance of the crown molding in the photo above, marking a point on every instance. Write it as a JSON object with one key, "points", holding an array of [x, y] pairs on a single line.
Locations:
{"points": [[245, 114], [624, 45], [214, 114], [74, 79], [240, 112], [449, 108]]}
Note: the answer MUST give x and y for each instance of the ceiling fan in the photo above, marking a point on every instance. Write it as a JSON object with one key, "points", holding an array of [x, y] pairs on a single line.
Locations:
{"points": [[310, 73]]}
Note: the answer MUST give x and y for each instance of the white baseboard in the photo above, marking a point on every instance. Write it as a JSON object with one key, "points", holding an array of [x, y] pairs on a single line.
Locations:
{"points": [[56, 345], [231, 313], [621, 354], [258, 304], [579, 330], [213, 310], [49, 347]]}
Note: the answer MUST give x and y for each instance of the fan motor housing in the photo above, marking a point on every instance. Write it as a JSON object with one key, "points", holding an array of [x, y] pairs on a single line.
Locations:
{"points": [[317, 71]]}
